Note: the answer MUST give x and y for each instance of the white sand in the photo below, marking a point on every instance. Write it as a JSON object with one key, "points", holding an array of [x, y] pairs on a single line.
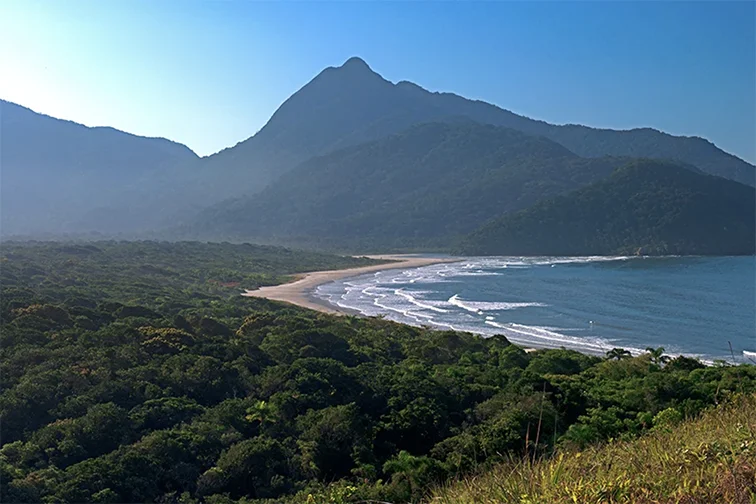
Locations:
{"points": [[297, 292]]}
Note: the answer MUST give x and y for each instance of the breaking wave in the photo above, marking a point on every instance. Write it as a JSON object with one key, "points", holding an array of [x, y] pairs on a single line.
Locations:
{"points": [[591, 304], [483, 306]]}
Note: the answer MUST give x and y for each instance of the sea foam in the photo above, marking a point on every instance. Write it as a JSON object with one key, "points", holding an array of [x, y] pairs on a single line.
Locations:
{"points": [[426, 296], [483, 306]]}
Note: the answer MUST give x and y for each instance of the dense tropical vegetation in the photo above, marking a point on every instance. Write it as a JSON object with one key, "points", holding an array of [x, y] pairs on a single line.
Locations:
{"points": [[134, 372], [647, 207]]}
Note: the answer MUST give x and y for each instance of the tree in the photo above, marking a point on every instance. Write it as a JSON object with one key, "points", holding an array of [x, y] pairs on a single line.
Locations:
{"points": [[329, 438], [262, 413], [256, 467], [657, 355], [618, 354], [412, 476]]}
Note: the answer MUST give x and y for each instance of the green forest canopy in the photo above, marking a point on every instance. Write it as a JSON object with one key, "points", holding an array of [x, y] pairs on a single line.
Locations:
{"points": [[647, 207], [134, 372]]}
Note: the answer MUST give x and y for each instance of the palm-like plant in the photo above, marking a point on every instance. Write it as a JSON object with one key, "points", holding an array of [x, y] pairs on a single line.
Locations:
{"points": [[618, 354], [657, 355], [262, 412]]}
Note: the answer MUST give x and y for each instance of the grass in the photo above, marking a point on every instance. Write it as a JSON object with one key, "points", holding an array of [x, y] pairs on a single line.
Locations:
{"points": [[710, 459]]}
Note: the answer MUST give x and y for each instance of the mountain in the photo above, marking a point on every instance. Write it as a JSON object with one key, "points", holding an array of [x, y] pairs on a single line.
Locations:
{"points": [[420, 187], [340, 107], [647, 207], [352, 104], [57, 175]]}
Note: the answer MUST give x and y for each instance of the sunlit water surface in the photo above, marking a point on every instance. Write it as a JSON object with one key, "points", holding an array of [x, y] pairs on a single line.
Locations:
{"points": [[689, 305]]}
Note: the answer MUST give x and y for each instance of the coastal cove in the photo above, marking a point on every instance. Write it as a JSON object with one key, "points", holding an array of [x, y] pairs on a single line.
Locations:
{"points": [[150, 370], [300, 290], [695, 306], [378, 252]]}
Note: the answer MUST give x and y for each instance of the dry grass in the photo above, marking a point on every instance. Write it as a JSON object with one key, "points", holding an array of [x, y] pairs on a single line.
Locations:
{"points": [[711, 459]]}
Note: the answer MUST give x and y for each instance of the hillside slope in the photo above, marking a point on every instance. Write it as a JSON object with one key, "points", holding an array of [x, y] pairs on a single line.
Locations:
{"points": [[709, 459], [352, 104], [422, 186], [647, 207], [60, 175]]}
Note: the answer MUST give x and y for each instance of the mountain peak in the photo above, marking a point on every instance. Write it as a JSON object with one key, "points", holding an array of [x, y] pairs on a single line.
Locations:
{"points": [[357, 63], [353, 68]]}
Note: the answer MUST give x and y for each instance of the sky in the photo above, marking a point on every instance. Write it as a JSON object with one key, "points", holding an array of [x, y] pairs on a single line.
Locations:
{"points": [[210, 73]]}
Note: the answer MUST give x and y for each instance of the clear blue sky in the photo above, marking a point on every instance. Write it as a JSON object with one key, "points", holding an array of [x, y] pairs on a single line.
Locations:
{"points": [[210, 73]]}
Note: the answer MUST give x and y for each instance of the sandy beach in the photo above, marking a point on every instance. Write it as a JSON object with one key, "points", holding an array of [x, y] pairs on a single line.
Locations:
{"points": [[298, 291]]}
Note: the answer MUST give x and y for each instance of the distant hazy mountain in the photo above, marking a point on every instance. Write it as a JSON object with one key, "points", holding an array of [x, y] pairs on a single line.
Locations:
{"points": [[422, 186], [58, 175], [351, 104], [648, 207]]}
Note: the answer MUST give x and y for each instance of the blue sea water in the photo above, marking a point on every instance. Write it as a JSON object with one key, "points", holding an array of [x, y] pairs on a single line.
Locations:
{"points": [[696, 306]]}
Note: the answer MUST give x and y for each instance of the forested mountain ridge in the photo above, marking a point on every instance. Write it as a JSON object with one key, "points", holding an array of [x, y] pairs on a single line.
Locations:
{"points": [[423, 186], [40, 140], [352, 104], [647, 207], [59, 175]]}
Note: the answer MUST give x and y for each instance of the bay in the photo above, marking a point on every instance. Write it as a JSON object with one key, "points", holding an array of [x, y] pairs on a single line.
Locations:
{"points": [[695, 306]]}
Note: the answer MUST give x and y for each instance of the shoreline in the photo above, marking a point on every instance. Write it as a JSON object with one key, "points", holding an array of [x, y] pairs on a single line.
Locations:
{"points": [[300, 291]]}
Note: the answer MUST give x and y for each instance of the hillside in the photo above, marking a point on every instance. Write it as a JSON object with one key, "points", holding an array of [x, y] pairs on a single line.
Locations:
{"points": [[646, 207], [352, 104], [135, 372], [63, 177], [59, 175], [707, 459], [423, 186]]}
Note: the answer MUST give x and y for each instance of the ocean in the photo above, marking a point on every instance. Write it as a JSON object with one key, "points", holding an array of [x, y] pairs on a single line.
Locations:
{"points": [[695, 306]]}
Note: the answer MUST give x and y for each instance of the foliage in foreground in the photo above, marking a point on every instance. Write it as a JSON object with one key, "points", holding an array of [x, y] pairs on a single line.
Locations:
{"points": [[134, 372], [709, 459]]}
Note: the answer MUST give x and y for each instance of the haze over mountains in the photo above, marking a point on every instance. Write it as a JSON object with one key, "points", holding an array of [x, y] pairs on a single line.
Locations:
{"points": [[349, 159], [60, 176]]}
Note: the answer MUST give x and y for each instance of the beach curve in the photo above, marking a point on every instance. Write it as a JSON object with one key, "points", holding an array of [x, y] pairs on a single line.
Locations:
{"points": [[298, 291]]}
